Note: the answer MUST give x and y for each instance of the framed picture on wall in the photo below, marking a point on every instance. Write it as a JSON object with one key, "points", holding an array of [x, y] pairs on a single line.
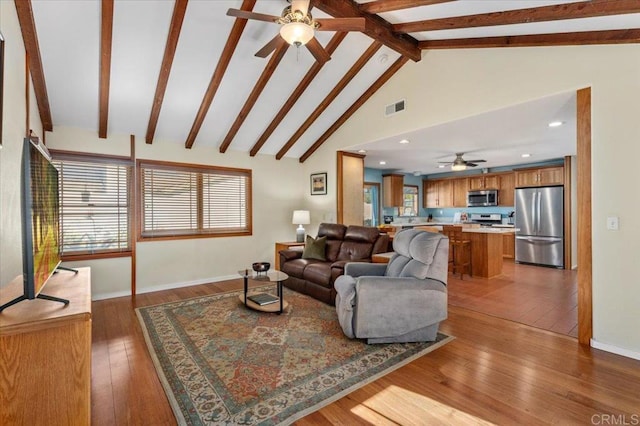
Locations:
{"points": [[319, 184]]}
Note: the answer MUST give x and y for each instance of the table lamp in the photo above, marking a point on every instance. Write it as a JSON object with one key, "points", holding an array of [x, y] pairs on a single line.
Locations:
{"points": [[300, 217]]}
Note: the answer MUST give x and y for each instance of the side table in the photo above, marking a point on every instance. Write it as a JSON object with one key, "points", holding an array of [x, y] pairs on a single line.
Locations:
{"points": [[284, 246], [272, 276]]}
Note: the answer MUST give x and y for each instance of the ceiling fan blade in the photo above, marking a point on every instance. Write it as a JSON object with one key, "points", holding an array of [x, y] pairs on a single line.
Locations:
{"points": [[470, 164], [341, 24], [251, 15], [476, 161], [318, 51], [270, 47]]}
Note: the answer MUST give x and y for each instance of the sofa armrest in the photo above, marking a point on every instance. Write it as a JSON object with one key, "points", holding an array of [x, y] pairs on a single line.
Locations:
{"points": [[396, 306], [359, 269], [286, 255]]}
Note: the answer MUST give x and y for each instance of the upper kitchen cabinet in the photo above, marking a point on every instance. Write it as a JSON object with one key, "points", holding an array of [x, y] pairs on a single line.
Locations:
{"points": [[483, 182], [540, 176], [460, 189], [506, 189], [392, 190], [438, 193]]}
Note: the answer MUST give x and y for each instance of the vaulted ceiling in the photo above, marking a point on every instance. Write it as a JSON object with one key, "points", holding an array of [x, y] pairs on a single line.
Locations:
{"points": [[184, 71]]}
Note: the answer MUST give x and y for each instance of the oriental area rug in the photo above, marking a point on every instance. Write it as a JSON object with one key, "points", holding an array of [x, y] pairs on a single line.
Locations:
{"points": [[222, 363]]}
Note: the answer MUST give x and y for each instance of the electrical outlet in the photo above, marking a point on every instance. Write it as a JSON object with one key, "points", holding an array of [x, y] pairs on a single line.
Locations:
{"points": [[612, 223]]}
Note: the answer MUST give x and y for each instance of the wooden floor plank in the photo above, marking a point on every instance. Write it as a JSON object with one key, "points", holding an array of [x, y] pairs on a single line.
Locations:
{"points": [[494, 371]]}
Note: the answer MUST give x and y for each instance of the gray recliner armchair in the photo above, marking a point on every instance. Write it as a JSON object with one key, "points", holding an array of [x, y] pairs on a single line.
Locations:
{"points": [[402, 301]]}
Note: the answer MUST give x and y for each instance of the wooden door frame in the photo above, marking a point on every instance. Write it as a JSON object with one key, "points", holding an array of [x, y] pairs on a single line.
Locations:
{"points": [[377, 185], [585, 265]]}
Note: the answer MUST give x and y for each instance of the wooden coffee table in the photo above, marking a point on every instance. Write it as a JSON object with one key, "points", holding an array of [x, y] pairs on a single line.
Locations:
{"points": [[273, 276]]}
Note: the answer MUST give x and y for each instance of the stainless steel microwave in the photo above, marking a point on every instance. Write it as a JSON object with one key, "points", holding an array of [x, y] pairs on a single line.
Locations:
{"points": [[483, 198]]}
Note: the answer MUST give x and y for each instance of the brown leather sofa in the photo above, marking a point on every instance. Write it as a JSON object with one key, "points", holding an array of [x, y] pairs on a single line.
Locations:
{"points": [[344, 244]]}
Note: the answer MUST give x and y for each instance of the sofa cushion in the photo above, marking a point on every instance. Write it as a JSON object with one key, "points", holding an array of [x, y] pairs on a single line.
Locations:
{"points": [[332, 250], [296, 267], [318, 273], [361, 234], [350, 250], [314, 248]]}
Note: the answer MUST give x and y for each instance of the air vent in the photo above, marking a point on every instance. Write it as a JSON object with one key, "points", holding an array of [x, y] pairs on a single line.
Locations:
{"points": [[394, 108]]}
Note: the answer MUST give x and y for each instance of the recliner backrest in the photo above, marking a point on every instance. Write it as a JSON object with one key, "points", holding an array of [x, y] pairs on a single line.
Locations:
{"points": [[419, 254], [358, 243], [335, 235]]}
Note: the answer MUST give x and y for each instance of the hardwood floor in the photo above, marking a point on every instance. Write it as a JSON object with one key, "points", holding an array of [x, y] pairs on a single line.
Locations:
{"points": [[546, 298], [495, 371]]}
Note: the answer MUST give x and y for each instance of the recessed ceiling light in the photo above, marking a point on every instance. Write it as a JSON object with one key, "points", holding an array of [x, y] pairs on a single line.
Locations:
{"points": [[362, 151], [441, 166], [404, 141], [526, 155], [382, 163], [556, 124]]}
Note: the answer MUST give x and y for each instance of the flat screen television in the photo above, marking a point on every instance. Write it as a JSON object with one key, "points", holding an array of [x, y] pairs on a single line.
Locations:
{"points": [[40, 222]]}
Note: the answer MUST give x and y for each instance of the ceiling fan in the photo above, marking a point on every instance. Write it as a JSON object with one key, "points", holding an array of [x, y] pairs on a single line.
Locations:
{"points": [[297, 27], [460, 163]]}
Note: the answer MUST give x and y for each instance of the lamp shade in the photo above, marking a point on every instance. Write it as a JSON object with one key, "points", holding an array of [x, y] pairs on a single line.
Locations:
{"points": [[301, 217], [297, 33]]}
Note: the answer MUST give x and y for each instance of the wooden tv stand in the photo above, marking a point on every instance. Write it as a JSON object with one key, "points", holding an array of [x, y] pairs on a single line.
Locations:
{"points": [[45, 361]]}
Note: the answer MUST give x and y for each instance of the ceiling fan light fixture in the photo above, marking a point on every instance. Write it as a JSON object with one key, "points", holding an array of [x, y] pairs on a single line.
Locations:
{"points": [[296, 33], [458, 167]]}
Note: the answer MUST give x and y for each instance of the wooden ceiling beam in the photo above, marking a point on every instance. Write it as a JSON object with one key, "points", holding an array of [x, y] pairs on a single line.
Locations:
{"points": [[266, 75], [346, 79], [381, 6], [221, 68], [30, 39], [376, 27], [577, 10], [563, 39], [356, 105], [295, 95], [106, 37], [179, 10]]}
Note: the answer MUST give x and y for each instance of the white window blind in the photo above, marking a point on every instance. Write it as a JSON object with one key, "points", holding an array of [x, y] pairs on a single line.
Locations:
{"points": [[95, 204], [179, 200]]}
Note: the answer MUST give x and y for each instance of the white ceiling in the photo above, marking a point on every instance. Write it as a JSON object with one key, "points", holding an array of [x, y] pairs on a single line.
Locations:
{"points": [[68, 33], [500, 137]]}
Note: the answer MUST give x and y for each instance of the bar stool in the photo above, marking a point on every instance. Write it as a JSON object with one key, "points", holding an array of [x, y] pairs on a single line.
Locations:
{"points": [[459, 250]]}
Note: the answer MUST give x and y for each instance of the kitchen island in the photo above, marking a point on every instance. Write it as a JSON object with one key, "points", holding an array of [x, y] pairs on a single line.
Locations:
{"points": [[486, 247], [486, 250]]}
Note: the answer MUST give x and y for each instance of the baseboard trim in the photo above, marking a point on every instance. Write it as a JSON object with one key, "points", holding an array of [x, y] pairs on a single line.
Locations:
{"points": [[615, 350], [142, 290]]}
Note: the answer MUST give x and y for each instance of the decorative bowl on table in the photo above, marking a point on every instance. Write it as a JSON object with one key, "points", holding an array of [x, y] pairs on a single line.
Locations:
{"points": [[261, 267]]}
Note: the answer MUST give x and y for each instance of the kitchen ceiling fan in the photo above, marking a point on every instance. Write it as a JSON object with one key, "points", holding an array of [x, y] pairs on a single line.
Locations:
{"points": [[460, 163], [297, 27]]}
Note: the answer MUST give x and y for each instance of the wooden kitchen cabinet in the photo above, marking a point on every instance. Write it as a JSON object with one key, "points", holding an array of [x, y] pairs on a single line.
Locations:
{"points": [[509, 246], [506, 189], [540, 177], [483, 182], [438, 193], [460, 189], [392, 190]]}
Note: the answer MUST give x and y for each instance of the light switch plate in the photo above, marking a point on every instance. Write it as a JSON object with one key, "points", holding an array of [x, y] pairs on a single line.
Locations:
{"points": [[612, 223]]}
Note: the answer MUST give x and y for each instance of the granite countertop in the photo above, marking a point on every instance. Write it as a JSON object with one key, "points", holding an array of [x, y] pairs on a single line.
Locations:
{"points": [[490, 230]]}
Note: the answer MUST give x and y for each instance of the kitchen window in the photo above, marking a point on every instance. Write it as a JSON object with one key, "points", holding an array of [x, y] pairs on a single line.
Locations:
{"points": [[410, 200], [189, 201]]}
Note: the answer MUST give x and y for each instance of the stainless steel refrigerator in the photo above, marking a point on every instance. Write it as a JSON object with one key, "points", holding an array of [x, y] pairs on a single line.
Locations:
{"points": [[540, 226]]}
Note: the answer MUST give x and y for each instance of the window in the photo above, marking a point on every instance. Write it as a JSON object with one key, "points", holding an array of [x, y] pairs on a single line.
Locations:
{"points": [[410, 200], [185, 201], [371, 203], [95, 205]]}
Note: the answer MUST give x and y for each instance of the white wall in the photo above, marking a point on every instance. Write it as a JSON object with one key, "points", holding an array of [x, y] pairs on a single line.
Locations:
{"points": [[14, 129], [450, 85], [277, 188]]}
